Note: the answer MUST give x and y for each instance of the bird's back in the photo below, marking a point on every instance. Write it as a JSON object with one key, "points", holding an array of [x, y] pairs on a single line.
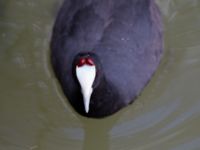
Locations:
{"points": [[126, 35]]}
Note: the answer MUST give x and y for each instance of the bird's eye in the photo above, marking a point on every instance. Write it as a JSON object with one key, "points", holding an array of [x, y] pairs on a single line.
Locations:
{"points": [[81, 62], [89, 61]]}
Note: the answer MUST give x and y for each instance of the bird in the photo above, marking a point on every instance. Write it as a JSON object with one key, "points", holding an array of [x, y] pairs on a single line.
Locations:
{"points": [[104, 52]]}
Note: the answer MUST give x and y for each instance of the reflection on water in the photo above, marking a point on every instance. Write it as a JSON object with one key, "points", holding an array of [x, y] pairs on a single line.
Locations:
{"points": [[36, 116]]}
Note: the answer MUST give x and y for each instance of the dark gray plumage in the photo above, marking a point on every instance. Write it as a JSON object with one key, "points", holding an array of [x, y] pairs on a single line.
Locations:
{"points": [[124, 37]]}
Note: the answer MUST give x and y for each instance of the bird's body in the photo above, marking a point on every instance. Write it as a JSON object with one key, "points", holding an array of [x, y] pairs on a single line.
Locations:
{"points": [[123, 37]]}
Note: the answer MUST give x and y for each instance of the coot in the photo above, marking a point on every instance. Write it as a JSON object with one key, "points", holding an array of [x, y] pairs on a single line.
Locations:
{"points": [[104, 52]]}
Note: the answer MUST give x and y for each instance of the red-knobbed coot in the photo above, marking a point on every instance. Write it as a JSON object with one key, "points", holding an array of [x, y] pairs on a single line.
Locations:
{"points": [[104, 52]]}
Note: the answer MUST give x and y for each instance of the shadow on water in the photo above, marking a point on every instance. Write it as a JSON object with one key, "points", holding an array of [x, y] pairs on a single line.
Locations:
{"points": [[97, 132], [2, 9], [93, 140], [3, 6]]}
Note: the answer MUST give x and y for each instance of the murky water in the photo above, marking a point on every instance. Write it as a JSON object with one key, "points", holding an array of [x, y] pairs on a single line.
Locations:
{"points": [[34, 114]]}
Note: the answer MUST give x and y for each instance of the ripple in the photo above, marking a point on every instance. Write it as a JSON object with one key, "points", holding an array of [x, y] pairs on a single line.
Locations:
{"points": [[146, 121]]}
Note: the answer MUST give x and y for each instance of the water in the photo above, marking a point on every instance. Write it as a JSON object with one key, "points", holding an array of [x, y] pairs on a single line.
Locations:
{"points": [[35, 115]]}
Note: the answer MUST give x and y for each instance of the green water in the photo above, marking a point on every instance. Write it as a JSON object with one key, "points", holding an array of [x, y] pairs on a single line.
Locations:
{"points": [[34, 113]]}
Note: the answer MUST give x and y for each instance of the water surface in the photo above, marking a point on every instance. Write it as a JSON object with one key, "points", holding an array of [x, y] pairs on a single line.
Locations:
{"points": [[35, 115]]}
